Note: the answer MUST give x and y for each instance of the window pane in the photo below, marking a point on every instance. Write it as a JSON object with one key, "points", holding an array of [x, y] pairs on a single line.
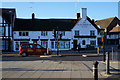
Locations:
{"points": [[52, 44], [23, 33], [92, 33], [23, 46], [76, 33], [46, 33], [83, 42], [93, 42], [37, 46], [26, 33], [63, 33], [19, 33], [30, 46]]}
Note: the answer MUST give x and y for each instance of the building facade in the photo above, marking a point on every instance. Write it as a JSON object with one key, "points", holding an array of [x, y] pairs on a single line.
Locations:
{"points": [[81, 31], [7, 17], [105, 26], [113, 37]]}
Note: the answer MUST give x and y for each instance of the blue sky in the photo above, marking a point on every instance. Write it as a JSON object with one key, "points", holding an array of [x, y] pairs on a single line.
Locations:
{"points": [[95, 10]]}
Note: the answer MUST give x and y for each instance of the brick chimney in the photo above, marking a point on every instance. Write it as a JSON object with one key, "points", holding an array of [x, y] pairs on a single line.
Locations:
{"points": [[33, 16], [84, 13], [78, 15]]}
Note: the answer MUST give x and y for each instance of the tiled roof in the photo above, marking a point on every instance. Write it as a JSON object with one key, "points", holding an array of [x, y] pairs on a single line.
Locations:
{"points": [[47, 24], [116, 29], [44, 24], [104, 23]]}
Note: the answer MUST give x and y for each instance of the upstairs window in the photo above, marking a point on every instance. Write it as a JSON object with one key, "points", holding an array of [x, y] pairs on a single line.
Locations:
{"points": [[2, 31], [92, 33], [23, 34], [76, 33], [43, 33], [63, 33]]}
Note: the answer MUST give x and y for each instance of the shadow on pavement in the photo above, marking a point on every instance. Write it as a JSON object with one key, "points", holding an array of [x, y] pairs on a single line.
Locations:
{"points": [[72, 57]]}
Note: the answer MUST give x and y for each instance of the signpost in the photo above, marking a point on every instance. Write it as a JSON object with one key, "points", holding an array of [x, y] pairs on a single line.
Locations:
{"points": [[57, 35]]}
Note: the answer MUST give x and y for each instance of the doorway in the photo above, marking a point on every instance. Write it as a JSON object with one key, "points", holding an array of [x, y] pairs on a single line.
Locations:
{"points": [[75, 44]]}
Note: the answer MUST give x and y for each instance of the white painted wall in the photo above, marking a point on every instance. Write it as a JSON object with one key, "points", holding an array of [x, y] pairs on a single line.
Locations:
{"points": [[35, 34], [84, 27], [0, 19]]}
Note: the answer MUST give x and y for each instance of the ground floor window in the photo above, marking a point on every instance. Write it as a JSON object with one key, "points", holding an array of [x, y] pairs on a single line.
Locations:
{"points": [[44, 44], [52, 44], [16, 46], [62, 44], [93, 42], [4, 44]]}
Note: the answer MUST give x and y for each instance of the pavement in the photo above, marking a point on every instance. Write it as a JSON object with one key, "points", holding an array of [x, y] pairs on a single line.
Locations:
{"points": [[67, 66]]}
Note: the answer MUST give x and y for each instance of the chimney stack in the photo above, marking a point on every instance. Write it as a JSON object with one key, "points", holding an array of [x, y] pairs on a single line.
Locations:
{"points": [[33, 16], [78, 15], [93, 20], [84, 13]]}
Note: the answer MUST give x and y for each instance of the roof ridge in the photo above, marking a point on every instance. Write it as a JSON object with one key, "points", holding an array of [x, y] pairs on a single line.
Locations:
{"points": [[106, 19], [44, 19]]}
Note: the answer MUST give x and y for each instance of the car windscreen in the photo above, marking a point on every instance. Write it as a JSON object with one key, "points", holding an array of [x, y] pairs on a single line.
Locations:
{"points": [[38, 46], [27, 46]]}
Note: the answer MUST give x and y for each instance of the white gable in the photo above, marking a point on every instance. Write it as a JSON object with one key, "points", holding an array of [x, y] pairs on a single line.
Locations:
{"points": [[84, 26]]}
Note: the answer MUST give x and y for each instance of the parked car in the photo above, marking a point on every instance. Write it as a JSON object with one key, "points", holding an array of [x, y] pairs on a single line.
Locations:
{"points": [[33, 49]]}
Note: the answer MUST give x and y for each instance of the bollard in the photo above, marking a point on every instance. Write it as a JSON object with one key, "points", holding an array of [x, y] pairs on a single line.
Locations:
{"points": [[112, 54], [98, 51], [47, 50], [95, 70], [107, 63]]}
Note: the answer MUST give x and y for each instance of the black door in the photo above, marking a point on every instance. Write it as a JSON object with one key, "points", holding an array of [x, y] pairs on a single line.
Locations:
{"points": [[74, 44]]}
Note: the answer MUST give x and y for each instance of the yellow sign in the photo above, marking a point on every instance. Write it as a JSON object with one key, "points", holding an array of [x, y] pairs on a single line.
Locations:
{"points": [[38, 50], [102, 46], [98, 50], [47, 50], [29, 50], [102, 39]]}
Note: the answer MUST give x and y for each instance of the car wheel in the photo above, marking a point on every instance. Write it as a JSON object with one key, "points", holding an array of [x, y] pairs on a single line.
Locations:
{"points": [[24, 54], [45, 53]]}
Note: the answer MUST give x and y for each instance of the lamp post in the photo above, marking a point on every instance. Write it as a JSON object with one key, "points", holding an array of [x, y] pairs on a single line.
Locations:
{"points": [[104, 43]]}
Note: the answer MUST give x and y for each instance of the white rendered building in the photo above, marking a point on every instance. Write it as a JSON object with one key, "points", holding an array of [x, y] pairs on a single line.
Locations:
{"points": [[81, 31]]}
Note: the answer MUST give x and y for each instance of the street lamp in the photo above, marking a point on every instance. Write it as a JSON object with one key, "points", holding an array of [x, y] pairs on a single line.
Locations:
{"points": [[104, 43]]}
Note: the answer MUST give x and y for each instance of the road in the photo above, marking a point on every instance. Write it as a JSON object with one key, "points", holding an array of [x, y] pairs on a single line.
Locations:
{"points": [[67, 66]]}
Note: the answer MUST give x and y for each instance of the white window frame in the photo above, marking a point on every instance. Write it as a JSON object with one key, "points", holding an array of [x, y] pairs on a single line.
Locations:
{"points": [[77, 32], [44, 33], [63, 33], [92, 33], [94, 42], [23, 32]]}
